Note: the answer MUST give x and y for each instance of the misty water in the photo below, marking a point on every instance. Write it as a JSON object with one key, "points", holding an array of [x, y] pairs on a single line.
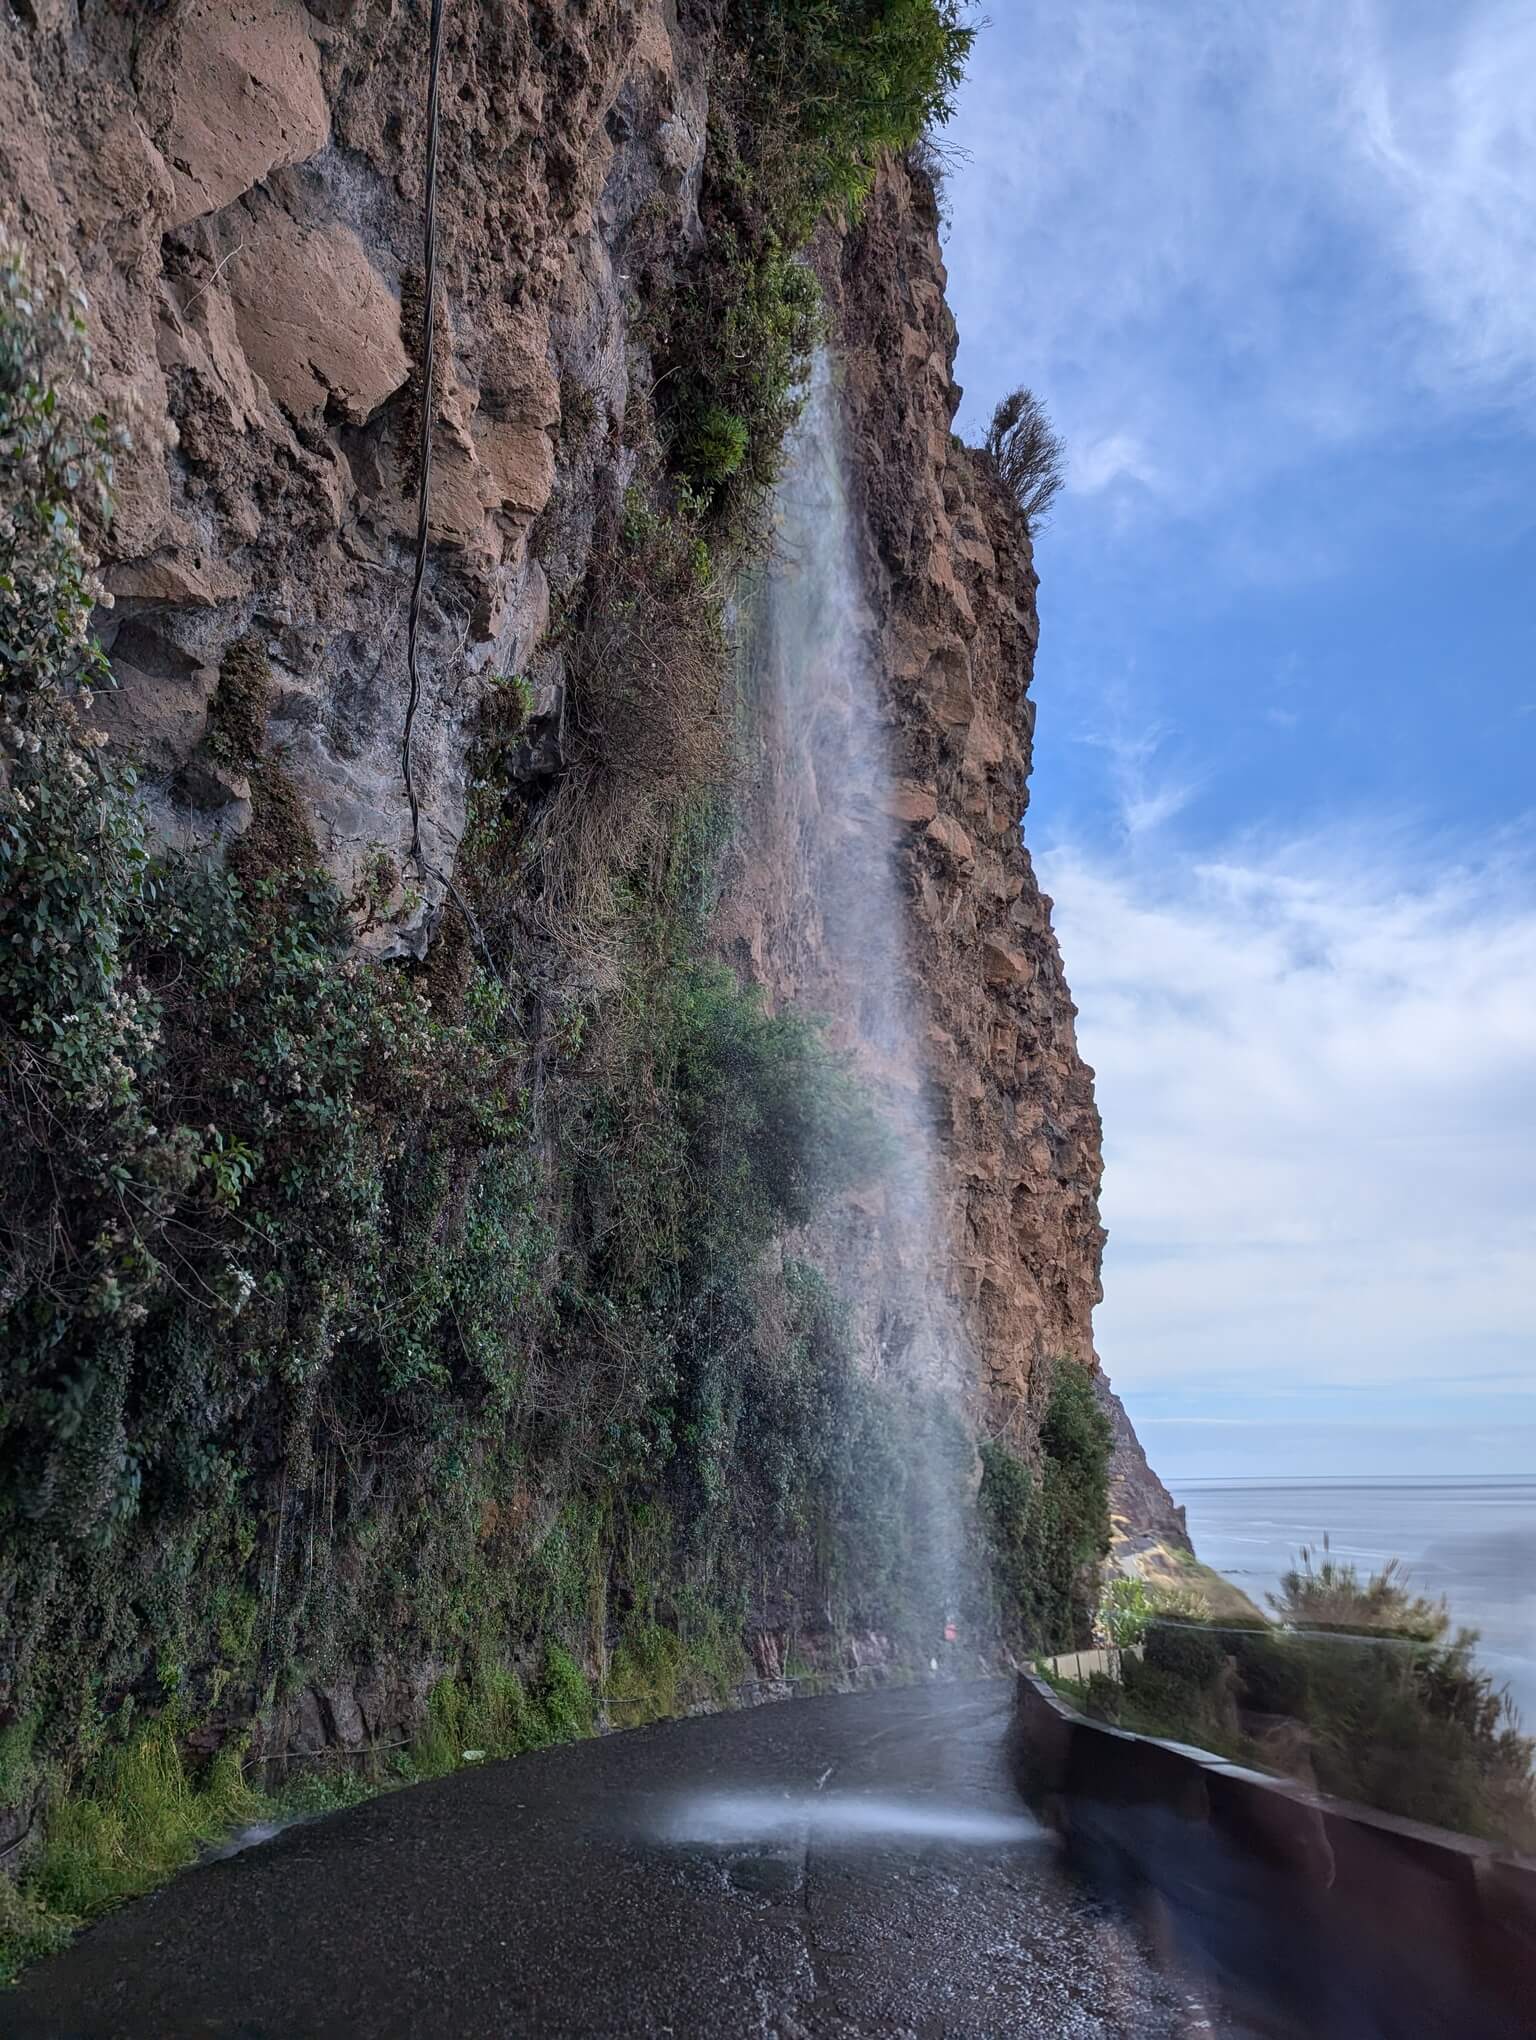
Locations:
{"points": [[729, 1818], [827, 766], [1471, 1541]]}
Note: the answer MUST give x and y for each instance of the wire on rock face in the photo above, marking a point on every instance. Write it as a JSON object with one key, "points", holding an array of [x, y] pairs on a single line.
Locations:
{"points": [[424, 455]]}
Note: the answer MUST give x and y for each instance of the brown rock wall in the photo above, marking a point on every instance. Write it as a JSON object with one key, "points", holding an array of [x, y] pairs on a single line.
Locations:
{"points": [[238, 187], [952, 579], [951, 582], [237, 184]]}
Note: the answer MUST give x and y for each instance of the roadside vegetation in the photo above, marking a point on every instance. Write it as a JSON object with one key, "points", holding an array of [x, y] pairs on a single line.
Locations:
{"points": [[1359, 1687], [1047, 1520], [437, 1304], [1129, 1606]]}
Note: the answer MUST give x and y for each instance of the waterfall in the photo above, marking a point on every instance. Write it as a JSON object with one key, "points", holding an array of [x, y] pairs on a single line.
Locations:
{"points": [[835, 921]]}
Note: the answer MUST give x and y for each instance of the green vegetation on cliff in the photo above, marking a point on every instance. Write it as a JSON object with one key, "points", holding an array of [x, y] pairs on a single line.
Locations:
{"points": [[807, 96], [1359, 1688], [851, 79], [1047, 1523], [403, 1350]]}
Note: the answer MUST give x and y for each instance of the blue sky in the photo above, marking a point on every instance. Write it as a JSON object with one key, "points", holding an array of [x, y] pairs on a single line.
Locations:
{"points": [[1273, 269]]}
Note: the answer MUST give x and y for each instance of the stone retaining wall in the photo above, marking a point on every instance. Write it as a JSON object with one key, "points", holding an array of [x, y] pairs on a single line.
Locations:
{"points": [[1081, 1664]]}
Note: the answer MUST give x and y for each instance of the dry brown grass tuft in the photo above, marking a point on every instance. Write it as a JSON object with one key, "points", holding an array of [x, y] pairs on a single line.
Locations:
{"points": [[647, 731]]}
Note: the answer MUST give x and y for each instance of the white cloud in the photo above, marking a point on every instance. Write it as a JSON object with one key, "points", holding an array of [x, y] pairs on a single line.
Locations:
{"points": [[1447, 121], [1147, 796], [1153, 806], [1273, 269], [1218, 238], [1318, 1079], [1117, 457]]}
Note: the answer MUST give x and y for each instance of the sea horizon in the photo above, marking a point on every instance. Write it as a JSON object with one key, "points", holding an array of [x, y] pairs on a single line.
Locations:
{"points": [[1343, 1479]]}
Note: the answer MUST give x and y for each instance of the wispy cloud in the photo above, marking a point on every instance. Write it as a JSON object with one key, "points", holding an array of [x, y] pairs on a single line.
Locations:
{"points": [[1446, 118], [1147, 793], [1117, 457], [1317, 1067], [1237, 235], [1154, 806], [1273, 268]]}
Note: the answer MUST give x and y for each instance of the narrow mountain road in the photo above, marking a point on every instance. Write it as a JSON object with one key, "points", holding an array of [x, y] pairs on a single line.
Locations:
{"points": [[851, 1866]]}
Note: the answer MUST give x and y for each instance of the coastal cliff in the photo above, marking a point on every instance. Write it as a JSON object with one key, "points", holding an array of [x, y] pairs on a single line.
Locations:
{"points": [[472, 1308], [950, 568]]}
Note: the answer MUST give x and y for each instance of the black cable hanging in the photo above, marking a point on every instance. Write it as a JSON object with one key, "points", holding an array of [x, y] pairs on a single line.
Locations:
{"points": [[416, 855], [424, 446]]}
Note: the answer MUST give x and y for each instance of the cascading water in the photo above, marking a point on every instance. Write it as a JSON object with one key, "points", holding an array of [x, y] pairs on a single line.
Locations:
{"points": [[836, 936]]}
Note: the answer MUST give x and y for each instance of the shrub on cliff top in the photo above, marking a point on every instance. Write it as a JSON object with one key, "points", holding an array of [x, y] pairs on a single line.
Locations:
{"points": [[857, 77], [1027, 455]]}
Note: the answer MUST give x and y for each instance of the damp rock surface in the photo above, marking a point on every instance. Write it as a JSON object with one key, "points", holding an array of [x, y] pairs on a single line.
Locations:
{"points": [[943, 579]]}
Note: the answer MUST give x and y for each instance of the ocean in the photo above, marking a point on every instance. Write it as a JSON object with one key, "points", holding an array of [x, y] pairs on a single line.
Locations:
{"points": [[1472, 1541]]}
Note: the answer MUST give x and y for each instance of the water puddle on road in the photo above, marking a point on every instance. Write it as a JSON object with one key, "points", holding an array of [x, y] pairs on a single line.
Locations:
{"points": [[725, 1818]]}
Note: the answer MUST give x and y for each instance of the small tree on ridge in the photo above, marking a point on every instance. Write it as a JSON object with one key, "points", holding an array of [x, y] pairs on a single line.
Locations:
{"points": [[1028, 454]]}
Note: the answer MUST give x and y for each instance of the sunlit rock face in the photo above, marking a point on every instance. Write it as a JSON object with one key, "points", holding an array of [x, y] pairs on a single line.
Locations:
{"points": [[238, 187], [944, 586]]}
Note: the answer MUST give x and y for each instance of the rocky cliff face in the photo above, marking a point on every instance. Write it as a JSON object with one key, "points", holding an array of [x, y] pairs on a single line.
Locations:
{"points": [[1143, 1514], [238, 188], [947, 588], [953, 584]]}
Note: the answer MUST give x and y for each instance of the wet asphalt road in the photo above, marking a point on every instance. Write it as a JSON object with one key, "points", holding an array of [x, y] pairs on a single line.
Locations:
{"points": [[628, 1887]]}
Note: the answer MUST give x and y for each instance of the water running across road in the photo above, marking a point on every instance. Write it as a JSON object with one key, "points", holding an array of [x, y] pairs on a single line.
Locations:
{"points": [[556, 1894]]}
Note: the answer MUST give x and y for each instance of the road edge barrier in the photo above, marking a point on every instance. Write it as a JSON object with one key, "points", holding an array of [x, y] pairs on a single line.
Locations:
{"points": [[1340, 1920]]}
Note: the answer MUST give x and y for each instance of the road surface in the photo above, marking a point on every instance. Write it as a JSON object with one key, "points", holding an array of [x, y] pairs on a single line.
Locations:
{"points": [[820, 1869]]}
